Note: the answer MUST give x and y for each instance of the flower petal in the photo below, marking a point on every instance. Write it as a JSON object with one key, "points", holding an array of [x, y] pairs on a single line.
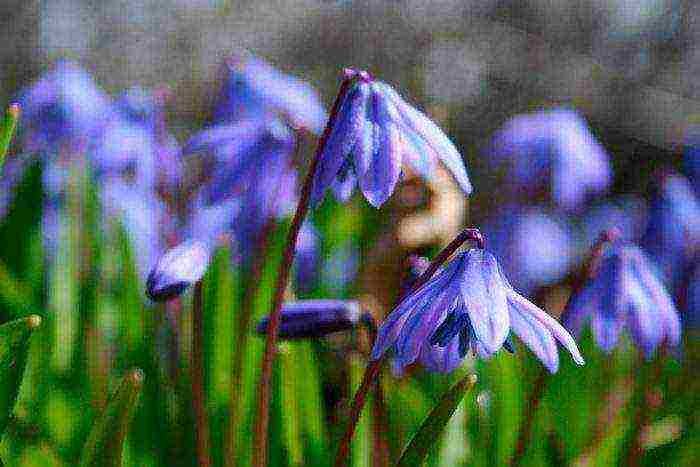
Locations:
{"points": [[484, 296], [384, 165], [557, 330], [347, 129], [416, 121], [535, 335]]}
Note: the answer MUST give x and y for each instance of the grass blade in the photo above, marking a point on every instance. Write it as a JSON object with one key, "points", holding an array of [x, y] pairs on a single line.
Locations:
{"points": [[14, 346], [105, 443], [8, 130], [435, 423]]}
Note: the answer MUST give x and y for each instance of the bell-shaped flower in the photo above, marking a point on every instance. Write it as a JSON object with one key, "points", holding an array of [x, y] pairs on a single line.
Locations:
{"points": [[553, 151], [625, 293], [252, 87], [306, 319], [468, 305], [374, 133], [179, 268]]}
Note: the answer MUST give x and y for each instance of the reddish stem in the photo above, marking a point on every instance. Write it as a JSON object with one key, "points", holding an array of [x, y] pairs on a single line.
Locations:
{"points": [[372, 370], [262, 420], [198, 397]]}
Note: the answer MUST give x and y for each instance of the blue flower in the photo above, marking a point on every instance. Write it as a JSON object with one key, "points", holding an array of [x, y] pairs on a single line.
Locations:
{"points": [[178, 269], [468, 305], [527, 238], [241, 154], [253, 87], [673, 233], [552, 150], [64, 109], [625, 293], [314, 318], [374, 133]]}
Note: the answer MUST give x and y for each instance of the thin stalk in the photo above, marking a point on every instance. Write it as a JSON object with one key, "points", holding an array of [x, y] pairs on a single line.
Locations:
{"points": [[381, 456], [373, 368], [540, 383], [244, 318], [265, 385], [198, 397]]}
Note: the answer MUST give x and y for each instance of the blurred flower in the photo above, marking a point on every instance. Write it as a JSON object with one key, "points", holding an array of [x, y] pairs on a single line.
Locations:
{"points": [[625, 292], [314, 318], [64, 108], [691, 317], [241, 154], [524, 239], [553, 149], [626, 214], [691, 156], [375, 132], [253, 87], [672, 237], [468, 304], [307, 258], [176, 270]]}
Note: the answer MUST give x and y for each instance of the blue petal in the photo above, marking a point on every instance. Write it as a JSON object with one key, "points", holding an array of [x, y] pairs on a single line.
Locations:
{"points": [[416, 121], [348, 128]]}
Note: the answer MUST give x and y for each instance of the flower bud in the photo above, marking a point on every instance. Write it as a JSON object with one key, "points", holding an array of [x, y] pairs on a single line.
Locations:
{"points": [[177, 269]]}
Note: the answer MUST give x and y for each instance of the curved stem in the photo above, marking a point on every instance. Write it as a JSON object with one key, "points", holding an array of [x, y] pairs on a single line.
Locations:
{"points": [[373, 369], [198, 397], [263, 414]]}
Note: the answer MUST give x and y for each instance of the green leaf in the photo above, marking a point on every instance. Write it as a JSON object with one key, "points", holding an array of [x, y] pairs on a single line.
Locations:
{"points": [[105, 443], [14, 346], [7, 131], [435, 423]]}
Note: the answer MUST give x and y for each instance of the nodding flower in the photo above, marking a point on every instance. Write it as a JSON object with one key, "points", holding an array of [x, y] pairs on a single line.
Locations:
{"points": [[252, 87], [306, 319], [375, 132], [468, 305], [177, 270], [554, 151], [625, 292]]}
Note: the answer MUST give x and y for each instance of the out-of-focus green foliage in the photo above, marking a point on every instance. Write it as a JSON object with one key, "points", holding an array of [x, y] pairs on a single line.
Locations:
{"points": [[7, 131]]}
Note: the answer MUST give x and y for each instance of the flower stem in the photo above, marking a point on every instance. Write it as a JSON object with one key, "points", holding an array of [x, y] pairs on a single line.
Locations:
{"points": [[198, 398], [540, 383], [262, 420], [244, 317], [372, 369]]}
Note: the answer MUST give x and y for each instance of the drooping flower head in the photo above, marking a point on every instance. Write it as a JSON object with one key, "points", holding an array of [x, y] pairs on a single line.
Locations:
{"points": [[307, 258], [468, 305], [305, 319], [374, 133], [625, 293], [556, 151], [252, 87], [673, 233], [176, 270]]}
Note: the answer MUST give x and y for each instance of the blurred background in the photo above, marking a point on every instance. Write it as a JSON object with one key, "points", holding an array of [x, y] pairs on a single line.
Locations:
{"points": [[628, 68]]}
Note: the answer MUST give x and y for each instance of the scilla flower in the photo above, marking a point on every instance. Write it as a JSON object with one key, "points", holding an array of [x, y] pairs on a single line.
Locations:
{"points": [[374, 134], [305, 319], [624, 292], [468, 305], [177, 269]]}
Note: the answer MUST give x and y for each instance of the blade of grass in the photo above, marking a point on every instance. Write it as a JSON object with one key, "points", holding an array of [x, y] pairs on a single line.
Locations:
{"points": [[435, 423], [7, 131]]}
